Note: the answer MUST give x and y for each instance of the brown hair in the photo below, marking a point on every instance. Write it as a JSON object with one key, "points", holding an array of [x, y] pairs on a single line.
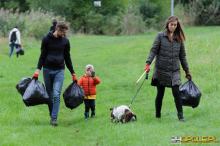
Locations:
{"points": [[61, 25], [178, 33]]}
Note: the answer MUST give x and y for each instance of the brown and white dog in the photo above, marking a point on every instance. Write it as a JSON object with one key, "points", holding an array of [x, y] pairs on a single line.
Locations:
{"points": [[122, 114]]}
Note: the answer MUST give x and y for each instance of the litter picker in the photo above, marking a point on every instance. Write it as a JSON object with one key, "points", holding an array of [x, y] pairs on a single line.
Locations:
{"points": [[140, 77], [138, 90]]}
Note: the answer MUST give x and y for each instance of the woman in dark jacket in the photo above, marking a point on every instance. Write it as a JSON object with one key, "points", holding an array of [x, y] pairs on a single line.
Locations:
{"points": [[169, 50]]}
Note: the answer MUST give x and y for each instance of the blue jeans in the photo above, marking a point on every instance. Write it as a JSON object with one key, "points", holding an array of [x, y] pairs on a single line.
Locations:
{"points": [[53, 80], [12, 46]]}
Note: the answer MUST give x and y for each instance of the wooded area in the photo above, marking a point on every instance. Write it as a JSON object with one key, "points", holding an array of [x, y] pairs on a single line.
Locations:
{"points": [[124, 17]]}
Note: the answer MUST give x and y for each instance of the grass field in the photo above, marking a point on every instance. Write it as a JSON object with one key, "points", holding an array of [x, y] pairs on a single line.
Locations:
{"points": [[118, 61]]}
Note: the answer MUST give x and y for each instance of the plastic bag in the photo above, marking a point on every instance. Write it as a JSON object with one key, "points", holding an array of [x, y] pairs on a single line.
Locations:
{"points": [[35, 94], [190, 94], [73, 96], [22, 85], [19, 50]]}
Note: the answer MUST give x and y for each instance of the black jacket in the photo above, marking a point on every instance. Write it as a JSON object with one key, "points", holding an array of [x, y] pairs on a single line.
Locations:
{"points": [[54, 52], [168, 55]]}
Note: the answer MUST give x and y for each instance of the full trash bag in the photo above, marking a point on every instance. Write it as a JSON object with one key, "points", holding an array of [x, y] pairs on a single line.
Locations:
{"points": [[35, 94], [190, 94], [22, 85], [73, 96]]}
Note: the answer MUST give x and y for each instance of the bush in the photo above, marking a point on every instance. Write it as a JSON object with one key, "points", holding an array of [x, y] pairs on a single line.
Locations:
{"points": [[151, 13], [204, 12], [132, 22], [37, 23], [8, 20], [185, 17], [111, 25], [94, 23], [31, 23]]}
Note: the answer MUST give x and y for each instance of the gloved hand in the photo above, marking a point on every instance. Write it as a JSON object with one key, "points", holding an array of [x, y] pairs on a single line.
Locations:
{"points": [[36, 74], [74, 78], [188, 75], [93, 74], [147, 68]]}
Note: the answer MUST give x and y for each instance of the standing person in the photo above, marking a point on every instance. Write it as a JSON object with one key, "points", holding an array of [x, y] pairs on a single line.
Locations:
{"points": [[169, 50], [14, 41], [88, 82], [55, 53], [53, 27]]}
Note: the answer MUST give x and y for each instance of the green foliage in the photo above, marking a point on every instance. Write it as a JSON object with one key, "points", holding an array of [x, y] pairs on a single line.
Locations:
{"points": [[8, 20], [14, 5], [94, 23], [148, 9], [203, 12], [112, 18], [31, 23], [112, 25], [206, 12], [37, 23], [132, 22]]}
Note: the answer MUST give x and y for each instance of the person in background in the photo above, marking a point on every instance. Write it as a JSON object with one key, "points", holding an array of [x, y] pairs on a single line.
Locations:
{"points": [[14, 41], [169, 50], [88, 82], [53, 27], [55, 54]]}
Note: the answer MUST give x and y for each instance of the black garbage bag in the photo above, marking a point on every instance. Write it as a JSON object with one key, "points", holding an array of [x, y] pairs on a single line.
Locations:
{"points": [[35, 94], [20, 51], [190, 94], [73, 96], [22, 85]]}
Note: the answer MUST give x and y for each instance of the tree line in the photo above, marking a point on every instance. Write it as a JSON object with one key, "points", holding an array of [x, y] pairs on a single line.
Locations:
{"points": [[117, 17]]}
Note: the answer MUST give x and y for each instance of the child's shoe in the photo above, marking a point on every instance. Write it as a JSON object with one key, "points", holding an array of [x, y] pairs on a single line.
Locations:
{"points": [[92, 114], [86, 114]]}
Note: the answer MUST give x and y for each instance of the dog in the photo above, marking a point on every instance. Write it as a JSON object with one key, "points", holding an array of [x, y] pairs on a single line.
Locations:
{"points": [[122, 114]]}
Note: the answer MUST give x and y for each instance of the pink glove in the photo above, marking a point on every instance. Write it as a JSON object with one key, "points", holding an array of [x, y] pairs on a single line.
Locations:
{"points": [[36, 74], [147, 68], [74, 78]]}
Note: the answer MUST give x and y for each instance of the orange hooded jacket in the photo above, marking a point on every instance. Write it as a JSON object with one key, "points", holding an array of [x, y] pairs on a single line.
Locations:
{"points": [[89, 85]]}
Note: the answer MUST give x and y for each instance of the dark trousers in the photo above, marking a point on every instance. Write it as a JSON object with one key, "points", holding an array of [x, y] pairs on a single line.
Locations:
{"points": [[89, 104], [159, 99]]}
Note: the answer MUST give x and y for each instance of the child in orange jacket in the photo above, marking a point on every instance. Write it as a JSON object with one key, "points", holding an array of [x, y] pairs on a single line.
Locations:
{"points": [[88, 82]]}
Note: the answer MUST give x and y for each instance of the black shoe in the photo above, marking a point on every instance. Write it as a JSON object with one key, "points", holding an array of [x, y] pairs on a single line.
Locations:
{"points": [[180, 117], [92, 115], [158, 115], [86, 115], [53, 122]]}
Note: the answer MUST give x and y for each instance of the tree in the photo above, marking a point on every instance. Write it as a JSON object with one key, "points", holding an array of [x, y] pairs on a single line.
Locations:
{"points": [[21, 5]]}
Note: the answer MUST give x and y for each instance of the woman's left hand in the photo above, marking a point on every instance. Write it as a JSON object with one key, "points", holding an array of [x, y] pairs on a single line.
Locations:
{"points": [[188, 75]]}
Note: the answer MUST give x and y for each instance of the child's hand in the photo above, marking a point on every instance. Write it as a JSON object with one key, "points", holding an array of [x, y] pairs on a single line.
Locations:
{"points": [[92, 74]]}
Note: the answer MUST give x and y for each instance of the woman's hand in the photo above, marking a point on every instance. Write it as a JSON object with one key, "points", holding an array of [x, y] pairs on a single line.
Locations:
{"points": [[188, 75], [147, 68], [36, 74]]}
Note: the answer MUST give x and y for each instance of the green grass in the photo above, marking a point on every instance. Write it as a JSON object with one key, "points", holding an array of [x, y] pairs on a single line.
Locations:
{"points": [[118, 61]]}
